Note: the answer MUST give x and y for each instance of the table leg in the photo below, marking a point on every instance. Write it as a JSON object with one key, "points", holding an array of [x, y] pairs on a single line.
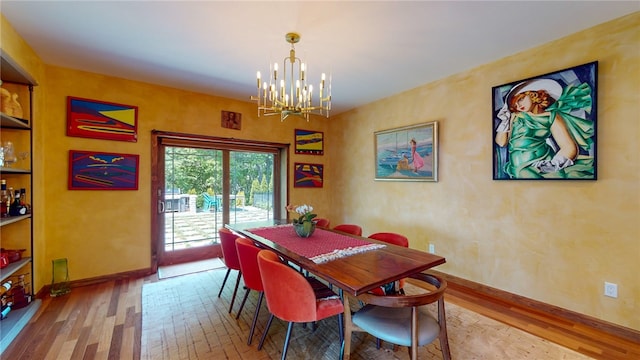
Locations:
{"points": [[345, 349]]}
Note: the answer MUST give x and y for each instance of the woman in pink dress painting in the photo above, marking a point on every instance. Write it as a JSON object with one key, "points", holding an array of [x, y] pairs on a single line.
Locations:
{"points": [[418, 162]]}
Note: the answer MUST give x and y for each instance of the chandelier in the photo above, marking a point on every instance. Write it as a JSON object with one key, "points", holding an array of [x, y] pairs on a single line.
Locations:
{"points": [[291, 95]]}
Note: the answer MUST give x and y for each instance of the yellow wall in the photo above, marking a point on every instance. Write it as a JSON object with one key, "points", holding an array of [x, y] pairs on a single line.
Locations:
{"points": [[557, 242], [106, 232]]}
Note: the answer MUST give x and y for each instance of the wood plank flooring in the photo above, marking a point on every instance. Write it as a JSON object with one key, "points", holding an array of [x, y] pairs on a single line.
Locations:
{"points": [[104, 321]]}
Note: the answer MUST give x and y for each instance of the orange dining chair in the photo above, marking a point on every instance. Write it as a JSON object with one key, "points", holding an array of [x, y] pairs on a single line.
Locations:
{"points": [[248, 255], [230, 258], [349, 228], [403, 319], [291, 297], [322, 222]]}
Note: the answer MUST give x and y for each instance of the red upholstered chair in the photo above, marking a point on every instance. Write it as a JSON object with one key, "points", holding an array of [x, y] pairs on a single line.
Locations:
{"points": [[395, 287], [391, 238], [291, 297], [349, 228], [230, 258], [322, 222], [395, 239], [248, 255], [403, 319]]}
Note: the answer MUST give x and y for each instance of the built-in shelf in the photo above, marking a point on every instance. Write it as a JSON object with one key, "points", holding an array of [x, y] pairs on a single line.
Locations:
{"points": [[13, 268], [17, 231], [13, 122], [15, 321], [12, 219], [8, 170]]}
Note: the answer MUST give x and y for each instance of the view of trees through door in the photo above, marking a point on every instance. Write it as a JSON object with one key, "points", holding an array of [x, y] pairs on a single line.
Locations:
{"points": [[203, 186]]}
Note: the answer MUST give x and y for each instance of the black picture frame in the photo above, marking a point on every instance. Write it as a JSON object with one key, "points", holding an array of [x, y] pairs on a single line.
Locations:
{"points": [[545, 127]]}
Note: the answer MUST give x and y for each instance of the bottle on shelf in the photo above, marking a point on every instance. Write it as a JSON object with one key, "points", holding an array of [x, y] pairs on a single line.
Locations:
{"points": [[23, 200], [16, 209], [4, 199], [4, 310], [23, 283], [5, 287], [9, 199]]}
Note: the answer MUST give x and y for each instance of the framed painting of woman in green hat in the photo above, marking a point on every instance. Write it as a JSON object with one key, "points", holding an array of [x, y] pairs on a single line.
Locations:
{"points": [[545, 127]]}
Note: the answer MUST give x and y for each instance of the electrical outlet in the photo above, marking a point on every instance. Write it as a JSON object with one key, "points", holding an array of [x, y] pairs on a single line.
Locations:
{"points": [[432, 248], [610, 289]]}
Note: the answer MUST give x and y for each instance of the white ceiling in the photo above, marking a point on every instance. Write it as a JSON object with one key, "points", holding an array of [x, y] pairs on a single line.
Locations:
{"points": [[373, 49]]}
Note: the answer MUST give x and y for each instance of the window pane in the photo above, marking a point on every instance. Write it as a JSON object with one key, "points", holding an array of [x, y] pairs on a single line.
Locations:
{"points": [[251, 186], [193, 178]]}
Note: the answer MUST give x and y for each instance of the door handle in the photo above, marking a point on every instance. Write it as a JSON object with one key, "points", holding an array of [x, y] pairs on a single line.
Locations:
{"points": [[160, 202]]}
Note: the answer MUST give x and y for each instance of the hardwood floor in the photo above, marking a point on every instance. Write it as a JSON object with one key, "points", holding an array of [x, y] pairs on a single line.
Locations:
{"points": [[101, 321], [104, 321]]}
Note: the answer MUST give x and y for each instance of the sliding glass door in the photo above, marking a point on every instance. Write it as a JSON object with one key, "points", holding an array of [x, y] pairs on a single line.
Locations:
{"points": [[202, 184]]}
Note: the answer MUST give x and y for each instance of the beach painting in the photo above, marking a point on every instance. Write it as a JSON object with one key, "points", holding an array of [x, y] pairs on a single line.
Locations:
{"points": [[407, 154]]}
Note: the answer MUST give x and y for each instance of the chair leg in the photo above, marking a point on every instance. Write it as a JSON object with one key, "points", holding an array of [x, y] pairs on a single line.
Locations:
{"points": [[266, 330], [444, 345], [378, 343], [224, 281], [244, 299], [444, 339], [235, 291], [255, 317], [286, 341]]}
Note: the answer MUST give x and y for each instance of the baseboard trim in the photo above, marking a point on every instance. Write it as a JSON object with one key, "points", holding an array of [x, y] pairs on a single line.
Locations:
{"points": [[513, 300], [99, 279]]}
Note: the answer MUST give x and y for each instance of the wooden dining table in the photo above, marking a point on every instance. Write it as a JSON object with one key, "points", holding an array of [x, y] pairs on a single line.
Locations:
{"points": [[354, 273]]}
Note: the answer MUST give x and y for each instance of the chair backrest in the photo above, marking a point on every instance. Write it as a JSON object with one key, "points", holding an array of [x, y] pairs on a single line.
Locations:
{"points": [[394, 318], [409, 300], [349, 228], [289, 295], [395, 239], [391, 238], [229, 251], [248, 256], [322, 222]]}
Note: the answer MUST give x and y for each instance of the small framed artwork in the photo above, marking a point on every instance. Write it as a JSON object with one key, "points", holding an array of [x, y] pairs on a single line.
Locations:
{"points": [[231, 120], [91, 170], [408, 153], [309, 142], [308, 175], [544, 127], [101, 120]]}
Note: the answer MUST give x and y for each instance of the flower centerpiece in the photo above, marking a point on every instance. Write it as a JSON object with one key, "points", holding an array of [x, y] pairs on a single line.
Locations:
{"points": [[304, 224]]}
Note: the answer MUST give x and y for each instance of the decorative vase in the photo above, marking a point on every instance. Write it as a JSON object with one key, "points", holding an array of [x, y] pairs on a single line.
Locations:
{"points": [[305, 229]]}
